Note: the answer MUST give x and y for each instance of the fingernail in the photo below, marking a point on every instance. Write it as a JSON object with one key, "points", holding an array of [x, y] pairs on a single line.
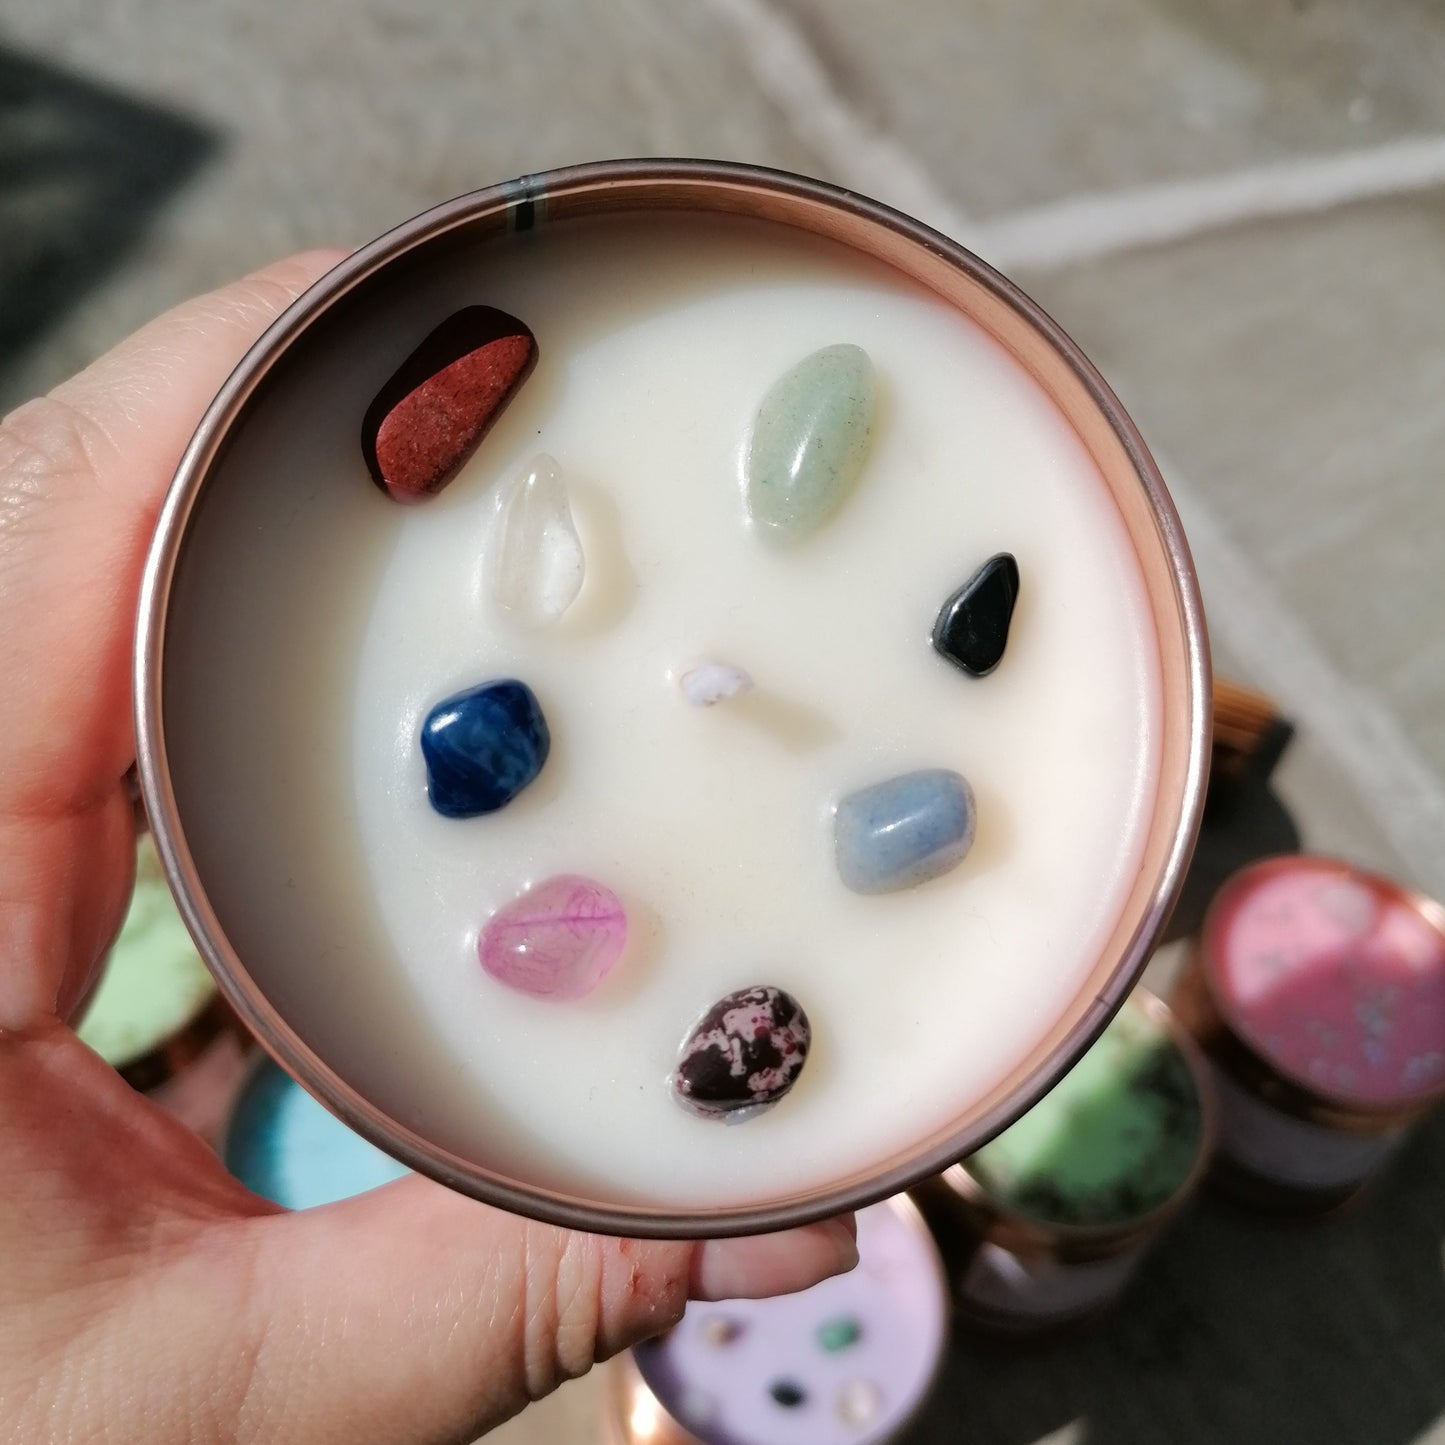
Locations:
{"points": [[844, 1233]]}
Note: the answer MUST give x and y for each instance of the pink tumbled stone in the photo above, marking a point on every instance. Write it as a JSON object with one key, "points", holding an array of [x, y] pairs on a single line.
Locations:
{"points": [[558, 940]]}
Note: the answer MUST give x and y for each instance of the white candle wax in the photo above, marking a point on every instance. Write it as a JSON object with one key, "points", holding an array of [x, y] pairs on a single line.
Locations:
{"points": [[317, 621]]}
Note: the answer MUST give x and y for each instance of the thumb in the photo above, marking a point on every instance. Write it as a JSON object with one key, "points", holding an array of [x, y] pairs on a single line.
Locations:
{"points": [[82, 474], [416, 1316]]}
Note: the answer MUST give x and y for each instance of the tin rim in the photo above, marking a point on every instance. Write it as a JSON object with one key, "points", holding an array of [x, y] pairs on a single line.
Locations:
{"points": [[1290, 1089], [698, 185]]}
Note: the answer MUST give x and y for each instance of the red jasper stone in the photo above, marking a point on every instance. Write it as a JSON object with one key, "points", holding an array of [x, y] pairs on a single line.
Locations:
{"points": [[442, 400]]}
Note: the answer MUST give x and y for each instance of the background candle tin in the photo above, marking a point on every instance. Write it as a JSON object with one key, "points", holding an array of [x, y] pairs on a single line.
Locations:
{"points": [[279, 1142], [1317, 991], [156, 1015], [848, 1362], [959, 279], [1046, 1225]]}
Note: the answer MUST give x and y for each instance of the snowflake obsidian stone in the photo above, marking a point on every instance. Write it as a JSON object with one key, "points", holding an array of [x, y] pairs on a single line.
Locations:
{"points": [[745, 1052]]}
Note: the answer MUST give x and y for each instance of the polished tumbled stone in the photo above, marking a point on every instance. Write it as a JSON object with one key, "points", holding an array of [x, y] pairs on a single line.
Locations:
{"points": [[559, 940], [904, 831], [721, 1330], [482, 747], [745, 1053], [434, 410], [788, 1393], [536, 564], [859, 1403], [972, 626], [810, 441], [838, 1333], [707, 683]]}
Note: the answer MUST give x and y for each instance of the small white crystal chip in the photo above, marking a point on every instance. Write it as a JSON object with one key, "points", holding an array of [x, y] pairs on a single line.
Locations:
{"points": [[707, 683], [536, 564], [859, 1403]]}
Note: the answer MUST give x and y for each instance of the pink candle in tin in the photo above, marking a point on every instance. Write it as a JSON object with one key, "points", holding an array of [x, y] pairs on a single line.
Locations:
{"points": [[1337, 978]]}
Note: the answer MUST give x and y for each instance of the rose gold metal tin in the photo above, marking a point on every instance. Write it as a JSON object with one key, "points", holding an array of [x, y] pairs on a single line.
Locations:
{"points": [[633, 1415], [1286, 1146], [958, 278], [1018, 1276]]}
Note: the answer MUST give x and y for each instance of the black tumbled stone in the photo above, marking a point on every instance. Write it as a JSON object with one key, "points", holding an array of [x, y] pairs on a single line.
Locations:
{"points": [[788, 1393], [972, 627]]}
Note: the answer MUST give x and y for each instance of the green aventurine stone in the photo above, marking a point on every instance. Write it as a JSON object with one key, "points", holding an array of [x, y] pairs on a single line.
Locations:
{"points": [[810, 441], [838, 1333]]}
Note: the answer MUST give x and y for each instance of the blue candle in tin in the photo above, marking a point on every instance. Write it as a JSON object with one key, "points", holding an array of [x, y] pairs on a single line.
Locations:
{"points": [[283, 1145]]}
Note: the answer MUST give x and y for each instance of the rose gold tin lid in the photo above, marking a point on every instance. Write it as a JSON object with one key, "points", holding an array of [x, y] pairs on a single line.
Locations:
{"points": [[1324, 988], [1057, 365]]}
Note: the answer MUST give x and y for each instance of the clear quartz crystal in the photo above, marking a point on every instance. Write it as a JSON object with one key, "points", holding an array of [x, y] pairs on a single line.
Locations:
{"points": [[536, 565]]}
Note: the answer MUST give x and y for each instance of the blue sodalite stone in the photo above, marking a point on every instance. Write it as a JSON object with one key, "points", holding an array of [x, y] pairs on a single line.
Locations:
{"points": [[904, 831], [482, 747]]}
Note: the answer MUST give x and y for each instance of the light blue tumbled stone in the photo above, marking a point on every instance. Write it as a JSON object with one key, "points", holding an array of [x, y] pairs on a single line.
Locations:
{"points": [[904, 831], [809, 442]]}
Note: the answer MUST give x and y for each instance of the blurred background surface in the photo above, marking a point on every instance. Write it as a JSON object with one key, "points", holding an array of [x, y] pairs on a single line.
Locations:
{"points": [[1236, 206]]}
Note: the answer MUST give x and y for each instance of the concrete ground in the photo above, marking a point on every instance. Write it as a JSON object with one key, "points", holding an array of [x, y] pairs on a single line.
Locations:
{"points": [[1237, 206]]}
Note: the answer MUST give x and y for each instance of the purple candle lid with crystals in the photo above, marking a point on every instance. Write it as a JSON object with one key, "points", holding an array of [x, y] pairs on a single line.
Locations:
{"points": [[847, 1362]]}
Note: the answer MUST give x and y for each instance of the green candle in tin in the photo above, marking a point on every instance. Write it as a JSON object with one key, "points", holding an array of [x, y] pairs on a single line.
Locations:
{"points": [[154, 982], [1116, 1137]]}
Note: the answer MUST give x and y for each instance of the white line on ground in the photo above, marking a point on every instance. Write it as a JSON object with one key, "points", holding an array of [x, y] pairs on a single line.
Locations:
{"points": [[1081, 228], [856, 153], [1075, 228]]}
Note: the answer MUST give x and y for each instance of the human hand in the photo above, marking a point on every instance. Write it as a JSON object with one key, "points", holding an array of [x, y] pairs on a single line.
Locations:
{"points": [[144, 1293]]}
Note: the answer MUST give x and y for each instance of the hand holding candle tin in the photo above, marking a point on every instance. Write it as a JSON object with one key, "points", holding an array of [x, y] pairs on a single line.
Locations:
{"points": [[119, 1227], [867, 830]]}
